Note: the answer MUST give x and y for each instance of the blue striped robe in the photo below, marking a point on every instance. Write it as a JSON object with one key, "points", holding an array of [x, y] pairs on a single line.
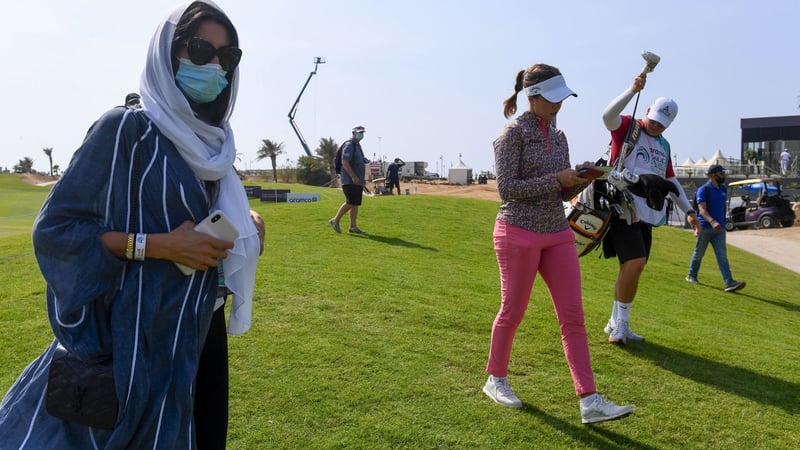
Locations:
{"points": [[148, 315]]}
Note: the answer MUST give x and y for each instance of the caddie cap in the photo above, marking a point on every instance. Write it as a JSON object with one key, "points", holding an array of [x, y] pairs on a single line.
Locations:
{"points": [[663, 111]]}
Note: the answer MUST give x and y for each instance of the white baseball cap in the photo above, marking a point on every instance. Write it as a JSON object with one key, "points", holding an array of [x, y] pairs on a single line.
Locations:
{"points": [[663, 111], [554, 89]]}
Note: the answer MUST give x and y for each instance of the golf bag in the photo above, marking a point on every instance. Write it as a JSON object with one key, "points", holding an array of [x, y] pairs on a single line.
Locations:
{"points": [[592, 212], [589, 226], [591, 215]]}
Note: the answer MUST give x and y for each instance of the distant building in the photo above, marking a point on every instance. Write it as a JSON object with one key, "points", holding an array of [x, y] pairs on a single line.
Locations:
{"points": [[766, 137]]}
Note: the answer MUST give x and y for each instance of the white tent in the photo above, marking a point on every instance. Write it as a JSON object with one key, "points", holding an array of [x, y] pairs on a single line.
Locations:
{"points": [[718, 158], [460, 173], [701, 162], [689, 162]]}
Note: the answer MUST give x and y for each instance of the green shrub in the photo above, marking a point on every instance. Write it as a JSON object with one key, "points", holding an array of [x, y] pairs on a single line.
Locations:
{"points": [[312, 170]]}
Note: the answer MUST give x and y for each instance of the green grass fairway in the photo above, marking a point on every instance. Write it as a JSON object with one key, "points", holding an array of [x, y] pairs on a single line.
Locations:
{"points": [[19, 204], [380, 341]]}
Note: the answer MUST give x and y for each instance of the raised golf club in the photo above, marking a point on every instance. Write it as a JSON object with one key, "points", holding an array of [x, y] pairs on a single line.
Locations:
{"points": [[651, 61]]}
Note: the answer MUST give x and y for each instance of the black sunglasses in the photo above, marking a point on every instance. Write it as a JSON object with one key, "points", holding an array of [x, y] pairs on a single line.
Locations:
{"points": [[201, 52]]}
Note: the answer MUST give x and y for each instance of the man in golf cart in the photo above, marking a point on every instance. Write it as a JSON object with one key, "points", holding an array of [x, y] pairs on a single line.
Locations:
{"points": [[769, 209]]}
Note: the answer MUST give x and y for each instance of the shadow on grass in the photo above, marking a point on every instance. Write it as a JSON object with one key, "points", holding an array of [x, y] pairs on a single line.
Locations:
{"points": [[394, 241], [779, 303], [592, 435], [745, 383]]}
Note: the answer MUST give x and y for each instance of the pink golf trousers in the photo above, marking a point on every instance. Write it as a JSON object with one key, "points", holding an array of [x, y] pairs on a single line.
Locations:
{"points": [[521, 254]]}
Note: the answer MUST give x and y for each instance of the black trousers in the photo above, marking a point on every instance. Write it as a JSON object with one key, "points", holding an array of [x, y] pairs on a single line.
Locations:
{"points": [[394, 183], [211, 387]]}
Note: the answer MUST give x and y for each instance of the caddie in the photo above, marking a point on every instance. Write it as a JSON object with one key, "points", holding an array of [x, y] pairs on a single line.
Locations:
{"points": [[648, 159]]}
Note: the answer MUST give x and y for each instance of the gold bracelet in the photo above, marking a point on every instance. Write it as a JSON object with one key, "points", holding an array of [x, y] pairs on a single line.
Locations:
{"points": [[129, 248]]}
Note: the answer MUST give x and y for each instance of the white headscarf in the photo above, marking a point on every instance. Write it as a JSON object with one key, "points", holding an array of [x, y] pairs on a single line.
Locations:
{"points": [[210, 152]]}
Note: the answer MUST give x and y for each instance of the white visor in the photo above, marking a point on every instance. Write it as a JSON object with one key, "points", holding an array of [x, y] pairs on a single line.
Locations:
{"points": [[553, 89]]}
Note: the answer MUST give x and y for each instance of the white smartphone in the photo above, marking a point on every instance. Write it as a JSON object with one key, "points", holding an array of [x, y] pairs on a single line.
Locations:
{"points": [[216, 225]]}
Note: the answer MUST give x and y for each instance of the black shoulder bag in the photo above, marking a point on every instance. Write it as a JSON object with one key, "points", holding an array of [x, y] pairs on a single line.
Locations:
{"points": [[81, 392]]}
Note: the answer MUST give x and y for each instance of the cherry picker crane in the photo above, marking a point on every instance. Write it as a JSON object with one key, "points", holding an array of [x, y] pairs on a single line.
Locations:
{"points": [[317, 61]]}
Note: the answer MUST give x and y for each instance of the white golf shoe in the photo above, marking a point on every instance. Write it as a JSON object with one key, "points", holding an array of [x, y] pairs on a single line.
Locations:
{"points": [[630, 335], [601, 410], [497, 389]]}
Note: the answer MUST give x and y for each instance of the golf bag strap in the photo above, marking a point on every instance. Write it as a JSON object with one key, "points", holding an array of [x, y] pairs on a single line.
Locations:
{"points": [[633, 134]]}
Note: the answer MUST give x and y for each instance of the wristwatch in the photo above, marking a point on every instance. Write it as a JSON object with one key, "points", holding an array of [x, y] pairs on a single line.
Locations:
{"points": [[129, 247]]}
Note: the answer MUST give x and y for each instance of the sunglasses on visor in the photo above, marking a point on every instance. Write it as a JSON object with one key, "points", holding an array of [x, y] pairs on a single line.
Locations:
{"points": [[201, 52]]}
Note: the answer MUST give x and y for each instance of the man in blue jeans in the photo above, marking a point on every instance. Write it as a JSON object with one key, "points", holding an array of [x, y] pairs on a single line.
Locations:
{"points": [[710, 200]]}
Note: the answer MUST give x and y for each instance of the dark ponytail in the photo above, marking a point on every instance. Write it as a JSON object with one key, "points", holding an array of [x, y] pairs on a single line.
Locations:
{"points": [[510, 104]]}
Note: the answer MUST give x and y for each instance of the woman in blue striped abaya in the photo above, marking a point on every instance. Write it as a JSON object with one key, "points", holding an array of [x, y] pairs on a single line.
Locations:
{"points": [[109, 236]]}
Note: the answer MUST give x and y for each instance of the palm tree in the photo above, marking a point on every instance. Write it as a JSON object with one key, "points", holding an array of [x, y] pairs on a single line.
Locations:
{"points": [[270, 149], [327, 151], [49, 152]]}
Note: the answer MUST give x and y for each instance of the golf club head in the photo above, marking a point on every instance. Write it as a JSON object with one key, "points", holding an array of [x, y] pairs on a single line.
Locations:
{"points": [[651, 61]]}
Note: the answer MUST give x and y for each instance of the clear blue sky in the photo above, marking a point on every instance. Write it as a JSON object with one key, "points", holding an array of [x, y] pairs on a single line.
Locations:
{"points": [[426, 78]]}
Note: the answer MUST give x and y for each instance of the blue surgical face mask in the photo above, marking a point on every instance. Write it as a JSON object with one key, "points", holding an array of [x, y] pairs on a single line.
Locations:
{"points": [[359, 136], [201, 84]]}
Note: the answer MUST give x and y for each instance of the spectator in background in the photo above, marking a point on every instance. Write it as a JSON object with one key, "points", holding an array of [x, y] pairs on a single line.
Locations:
{"points": [[393, 175], [354, 167], [785, 156], [711, 199], [133, 100]]}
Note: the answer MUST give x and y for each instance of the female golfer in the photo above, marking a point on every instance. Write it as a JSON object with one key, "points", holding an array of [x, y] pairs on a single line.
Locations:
{"points": [[531, 236]]}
